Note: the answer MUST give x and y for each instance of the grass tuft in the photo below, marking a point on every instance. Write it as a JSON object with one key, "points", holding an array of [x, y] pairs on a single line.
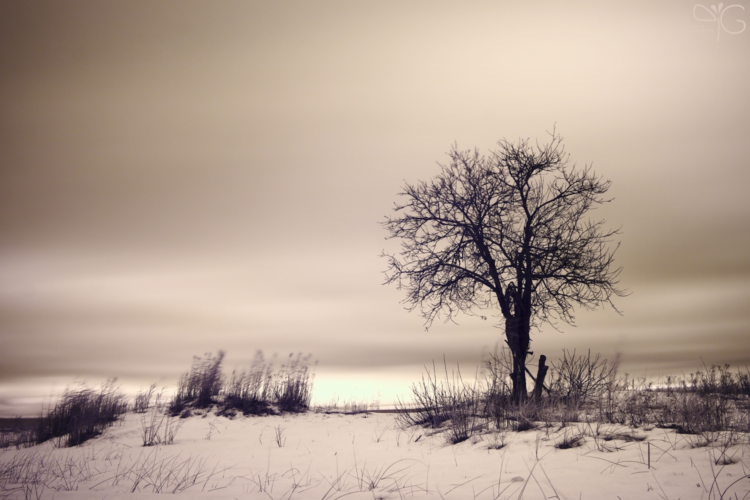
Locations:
{"points": [[200, 387], [570, 440], [81, 414], [259, 391]]}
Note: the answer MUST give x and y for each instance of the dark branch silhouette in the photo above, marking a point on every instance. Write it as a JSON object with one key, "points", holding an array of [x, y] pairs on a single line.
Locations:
{"points": [[506, 230]]}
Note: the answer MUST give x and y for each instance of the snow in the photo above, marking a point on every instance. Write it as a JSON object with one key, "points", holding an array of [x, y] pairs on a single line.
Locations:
{"points": [[369, 456]]}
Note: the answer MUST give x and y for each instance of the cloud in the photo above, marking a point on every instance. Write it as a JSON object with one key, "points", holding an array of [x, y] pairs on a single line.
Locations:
{"points": [[176, 181]]}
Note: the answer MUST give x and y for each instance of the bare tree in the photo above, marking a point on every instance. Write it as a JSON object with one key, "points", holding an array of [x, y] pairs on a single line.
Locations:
{"points": [[506, 230]]}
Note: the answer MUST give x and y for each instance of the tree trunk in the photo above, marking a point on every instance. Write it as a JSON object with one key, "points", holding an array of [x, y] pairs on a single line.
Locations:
{"points": [[517, 336], [540, 374]]}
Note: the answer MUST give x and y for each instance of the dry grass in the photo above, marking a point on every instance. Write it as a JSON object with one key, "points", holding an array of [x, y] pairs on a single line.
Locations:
{"points": [[81, 414], [710, 405], [259, 391]]}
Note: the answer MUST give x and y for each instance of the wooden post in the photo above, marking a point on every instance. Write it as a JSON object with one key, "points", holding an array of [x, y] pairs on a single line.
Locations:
{"points": [[540, 374]]}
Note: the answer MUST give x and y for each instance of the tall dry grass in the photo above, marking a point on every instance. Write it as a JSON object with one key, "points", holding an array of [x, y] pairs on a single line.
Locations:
{"points": [[580, 388]]}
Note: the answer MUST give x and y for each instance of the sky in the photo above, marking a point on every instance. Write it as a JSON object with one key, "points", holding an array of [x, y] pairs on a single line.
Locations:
{"points": [[182, 177]]}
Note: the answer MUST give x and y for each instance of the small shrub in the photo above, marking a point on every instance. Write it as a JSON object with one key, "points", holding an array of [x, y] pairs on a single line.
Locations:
{"points": [[639, 406], [439, 402], [698, 410], [436, 402], [579, 379]]}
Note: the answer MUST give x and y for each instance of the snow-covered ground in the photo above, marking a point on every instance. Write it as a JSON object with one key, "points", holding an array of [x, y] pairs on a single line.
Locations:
{"points": [[368, 456]]}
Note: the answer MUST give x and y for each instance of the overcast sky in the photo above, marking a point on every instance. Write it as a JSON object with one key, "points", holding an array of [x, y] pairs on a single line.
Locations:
{"points": [[180, 177]]}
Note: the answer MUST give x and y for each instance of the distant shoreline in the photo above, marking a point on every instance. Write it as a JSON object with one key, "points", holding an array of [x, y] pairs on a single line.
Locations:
{"points": [[16, 424]]}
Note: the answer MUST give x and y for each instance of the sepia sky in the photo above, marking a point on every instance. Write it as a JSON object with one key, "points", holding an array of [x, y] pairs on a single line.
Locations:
{"points": [[179, 177]]}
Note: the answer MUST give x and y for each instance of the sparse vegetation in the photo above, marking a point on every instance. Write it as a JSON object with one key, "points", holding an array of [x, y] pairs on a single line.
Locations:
{"points": [[436, 401], [498, 440], [572, 439], [250, 393], [158, 426], [708, 405], [143, 400], [279, 436], [30, 473], [17, 432], [292, 387], [200, 387], [577, 380], [643, 425], [81, 414], [259, 391]]}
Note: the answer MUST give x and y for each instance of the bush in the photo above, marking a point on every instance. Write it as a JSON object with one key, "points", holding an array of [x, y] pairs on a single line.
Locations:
{"points": [[577, 379], [709, 401], [437, 402], [81, 415], [703, 403]]}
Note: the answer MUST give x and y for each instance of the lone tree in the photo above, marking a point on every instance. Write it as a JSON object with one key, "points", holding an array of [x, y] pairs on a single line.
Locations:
{"points": [[506, 230]]}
